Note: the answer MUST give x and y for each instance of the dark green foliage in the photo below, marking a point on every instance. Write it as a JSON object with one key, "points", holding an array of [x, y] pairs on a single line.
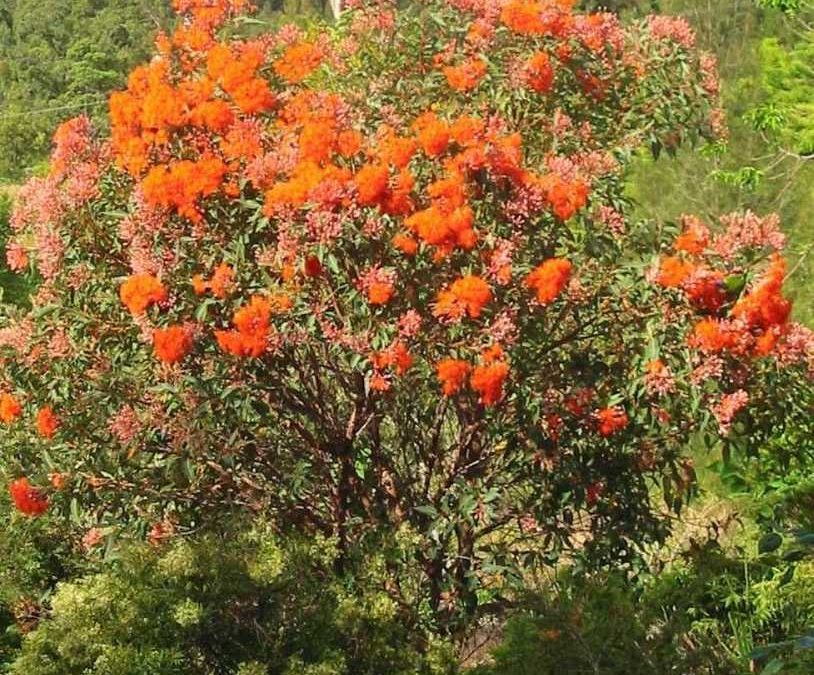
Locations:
{"points": [[59, 59]]}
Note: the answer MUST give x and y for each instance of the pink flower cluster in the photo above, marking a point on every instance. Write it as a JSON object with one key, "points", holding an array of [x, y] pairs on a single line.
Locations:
{"points": [[748, 230], [672, 28], [76, 165], [125, 425], [728, 408]]}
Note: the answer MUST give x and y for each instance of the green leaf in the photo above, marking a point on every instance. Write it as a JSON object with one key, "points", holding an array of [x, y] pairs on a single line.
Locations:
{"points": [[774, 666], [427, 510], [806, 538], [769, 542], [735, 283], [75, 511]]}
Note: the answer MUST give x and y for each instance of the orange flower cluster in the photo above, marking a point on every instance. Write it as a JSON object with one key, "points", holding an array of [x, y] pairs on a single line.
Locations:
{"points": [[28, 499], [466, 296], [489, 377], [704, 287], [433, 134], [549, 279], [656, 368], [764, 307], [761, 315], [757, 320], [547, 17], [203, 18], [304, 178], [452, 374], [405, 243], [694, 239], [298, 62], [312, 124], [47, 422], [180, 184], [486, 379], [712, 336], [10, 408], [252, 326], [396, 358], [611, 420], [145, 114], [244, 139], [539, 74], [379, 293], [155, 107], [394, 149], [673, 272], [237, 75], [467, 76], [140, 291], [172, 344], [371, 183], [449, 221], [565, 197], [220, 284]]}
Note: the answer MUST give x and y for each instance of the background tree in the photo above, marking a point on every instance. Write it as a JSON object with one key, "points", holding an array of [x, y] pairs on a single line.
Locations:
{"points": [[59, 59]]}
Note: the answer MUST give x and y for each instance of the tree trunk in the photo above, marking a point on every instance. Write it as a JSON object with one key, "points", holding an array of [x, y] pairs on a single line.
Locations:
{"points": [[336, 7]]}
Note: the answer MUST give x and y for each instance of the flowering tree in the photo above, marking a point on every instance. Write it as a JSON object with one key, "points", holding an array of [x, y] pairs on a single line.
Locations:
{"points": [[378, 282]]}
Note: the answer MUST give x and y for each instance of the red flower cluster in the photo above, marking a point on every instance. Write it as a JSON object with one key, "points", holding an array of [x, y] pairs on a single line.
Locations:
{"points": [[611, 420], [47, 422], [10, 408], [28, 499]]}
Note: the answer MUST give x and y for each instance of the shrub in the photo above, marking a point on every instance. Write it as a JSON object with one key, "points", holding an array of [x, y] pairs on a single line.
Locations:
{"points": [[714, 612], [378, 283], [247, 603]]}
